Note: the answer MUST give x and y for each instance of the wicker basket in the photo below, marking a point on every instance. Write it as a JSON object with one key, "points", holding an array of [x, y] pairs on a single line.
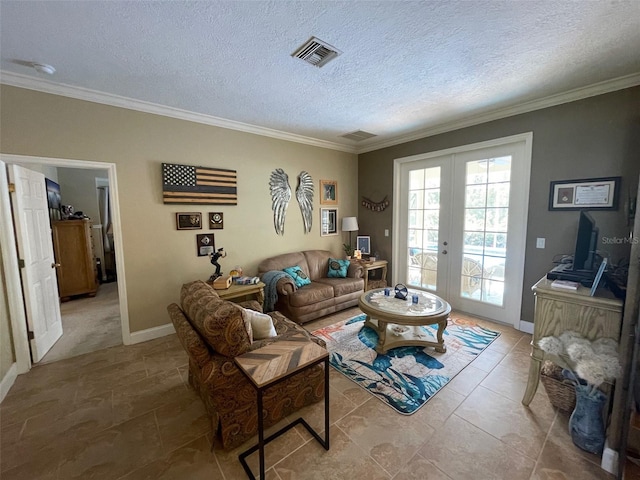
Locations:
{"points": [[561, 392]]}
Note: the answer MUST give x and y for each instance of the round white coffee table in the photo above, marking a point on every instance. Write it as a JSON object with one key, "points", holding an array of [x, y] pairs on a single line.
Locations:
{"points": [[398, 321]]}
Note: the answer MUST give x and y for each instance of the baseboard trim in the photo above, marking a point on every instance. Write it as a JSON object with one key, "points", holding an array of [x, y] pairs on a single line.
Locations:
{"points": [[609, 461], [8, 380], [526, 327], [151, 333]]}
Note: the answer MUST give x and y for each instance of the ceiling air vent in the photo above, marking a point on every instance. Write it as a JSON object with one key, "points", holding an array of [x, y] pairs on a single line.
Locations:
{"points": [[358, 135], [316, 52]]}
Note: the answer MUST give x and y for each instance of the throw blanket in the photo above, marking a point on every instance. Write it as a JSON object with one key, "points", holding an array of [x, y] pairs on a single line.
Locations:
{"points": [[270, 280]]}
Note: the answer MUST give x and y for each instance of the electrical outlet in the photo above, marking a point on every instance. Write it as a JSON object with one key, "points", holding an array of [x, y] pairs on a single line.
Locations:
{"points": [[386, 232], [540, 242]]}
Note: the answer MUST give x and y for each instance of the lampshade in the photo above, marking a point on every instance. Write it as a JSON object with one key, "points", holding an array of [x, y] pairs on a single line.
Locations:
{"points": [[349, 224]]}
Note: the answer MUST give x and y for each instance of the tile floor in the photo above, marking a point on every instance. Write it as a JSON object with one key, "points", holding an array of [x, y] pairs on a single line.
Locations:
{"points": [[127, 413]]}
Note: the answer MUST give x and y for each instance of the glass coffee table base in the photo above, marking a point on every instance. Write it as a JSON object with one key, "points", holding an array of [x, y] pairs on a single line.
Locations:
{"points": [[413, 336]]}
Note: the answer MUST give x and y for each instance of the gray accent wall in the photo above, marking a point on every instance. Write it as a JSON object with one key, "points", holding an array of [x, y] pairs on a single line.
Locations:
{"points": [[589, 138]]}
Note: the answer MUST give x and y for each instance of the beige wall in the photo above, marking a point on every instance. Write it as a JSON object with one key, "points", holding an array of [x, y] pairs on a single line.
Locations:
{"points": [[78, 188], [7, 355], [594, 137], [158, 258]]}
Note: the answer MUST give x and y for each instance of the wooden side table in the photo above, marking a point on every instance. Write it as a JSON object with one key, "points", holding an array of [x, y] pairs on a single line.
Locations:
{"points": [[370, 266], [275, 363], [235, 292]]}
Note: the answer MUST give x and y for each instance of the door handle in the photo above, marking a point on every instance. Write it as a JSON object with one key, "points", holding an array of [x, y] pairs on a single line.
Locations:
{"points": [[444, 252], [445, 243], [55, 265]]}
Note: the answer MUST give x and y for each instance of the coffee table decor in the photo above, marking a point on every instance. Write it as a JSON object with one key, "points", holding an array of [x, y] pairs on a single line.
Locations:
{"points": [[405, 378]]}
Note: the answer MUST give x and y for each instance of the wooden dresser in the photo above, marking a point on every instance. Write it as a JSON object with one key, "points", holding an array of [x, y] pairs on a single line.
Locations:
{"points": [[73, 249]]}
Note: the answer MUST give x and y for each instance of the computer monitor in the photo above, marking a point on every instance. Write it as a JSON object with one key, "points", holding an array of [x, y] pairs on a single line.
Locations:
{"points": [[584, 257]]}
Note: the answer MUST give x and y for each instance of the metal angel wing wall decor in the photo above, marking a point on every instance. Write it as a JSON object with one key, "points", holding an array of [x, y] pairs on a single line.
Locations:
{"points": [[280, 196], [304, 194]]}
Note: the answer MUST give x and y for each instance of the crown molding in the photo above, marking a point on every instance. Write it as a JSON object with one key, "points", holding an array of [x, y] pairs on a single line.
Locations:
{"points": [[80, 93], [607, 86]]}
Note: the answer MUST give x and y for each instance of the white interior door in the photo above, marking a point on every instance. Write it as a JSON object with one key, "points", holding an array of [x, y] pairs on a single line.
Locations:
{"points": [[35, 247], [462, 218]]}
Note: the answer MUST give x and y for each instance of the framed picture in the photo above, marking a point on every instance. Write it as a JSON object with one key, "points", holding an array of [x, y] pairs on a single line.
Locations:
{"points": [[328, 221], [591, 194], [53, 199], [364, 245], [216, 220], [189, 221], [205, 244], [328, 192]]}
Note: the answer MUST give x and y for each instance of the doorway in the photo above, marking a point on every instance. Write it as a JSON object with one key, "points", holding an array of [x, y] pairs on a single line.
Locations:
{"points": [[460, 219], [20, 336]]}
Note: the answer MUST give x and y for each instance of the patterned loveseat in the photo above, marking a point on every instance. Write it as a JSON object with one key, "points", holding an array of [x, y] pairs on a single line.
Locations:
{"points": [[213, 331]]}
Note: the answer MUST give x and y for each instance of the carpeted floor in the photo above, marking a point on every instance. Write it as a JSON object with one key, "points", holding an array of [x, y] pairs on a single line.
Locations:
{"points": [[405, 378], [88, 324]]}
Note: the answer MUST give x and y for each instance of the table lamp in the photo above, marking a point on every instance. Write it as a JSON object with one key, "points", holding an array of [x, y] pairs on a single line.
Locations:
{"points": [[350, 224]]}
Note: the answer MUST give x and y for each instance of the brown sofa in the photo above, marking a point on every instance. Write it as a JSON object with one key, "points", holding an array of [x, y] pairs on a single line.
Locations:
{"points": [[323, 296], [213, 332]]}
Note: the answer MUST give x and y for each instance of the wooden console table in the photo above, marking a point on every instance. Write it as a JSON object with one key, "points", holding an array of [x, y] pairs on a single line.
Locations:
{"points": [[558, 310]]}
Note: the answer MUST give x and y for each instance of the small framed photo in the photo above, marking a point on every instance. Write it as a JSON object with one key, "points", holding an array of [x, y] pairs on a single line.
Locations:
{"points": [[189, 221], [364, 244], [591, 194], [328, 221], [216, 220], [328, 192], [205, 244]]}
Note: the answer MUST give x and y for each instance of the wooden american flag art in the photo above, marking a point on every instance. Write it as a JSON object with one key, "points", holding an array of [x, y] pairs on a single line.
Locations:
{"points": [[203, 185]]}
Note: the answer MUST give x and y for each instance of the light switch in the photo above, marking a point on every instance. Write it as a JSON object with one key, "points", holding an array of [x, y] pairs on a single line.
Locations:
{"points": [[540, 242], [386, 232]]}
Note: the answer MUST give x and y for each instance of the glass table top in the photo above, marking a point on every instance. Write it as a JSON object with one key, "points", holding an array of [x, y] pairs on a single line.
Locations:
{"points": [[428, 303]]}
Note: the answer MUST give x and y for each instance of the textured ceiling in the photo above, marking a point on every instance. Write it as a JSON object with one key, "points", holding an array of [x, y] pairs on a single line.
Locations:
{"points": [[405, 67]]}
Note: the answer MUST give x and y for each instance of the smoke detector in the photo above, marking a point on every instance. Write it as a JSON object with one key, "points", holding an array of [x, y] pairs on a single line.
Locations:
{"points": [[316, 52], [43, 68]]}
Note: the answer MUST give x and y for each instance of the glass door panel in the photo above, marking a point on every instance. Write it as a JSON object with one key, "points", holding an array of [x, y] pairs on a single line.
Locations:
{"points": [[486, 221], [423, 223]]}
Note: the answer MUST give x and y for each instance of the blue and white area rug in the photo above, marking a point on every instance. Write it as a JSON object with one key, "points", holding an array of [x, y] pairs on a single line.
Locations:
{"points": [[405, 377]]}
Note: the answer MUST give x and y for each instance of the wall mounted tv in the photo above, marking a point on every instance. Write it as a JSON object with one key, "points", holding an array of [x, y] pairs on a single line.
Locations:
{"points": [[584, 257]]}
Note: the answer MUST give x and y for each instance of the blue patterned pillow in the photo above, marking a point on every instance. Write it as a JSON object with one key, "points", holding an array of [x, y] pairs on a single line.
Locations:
{"points": [[298, 276], [338, 268]]}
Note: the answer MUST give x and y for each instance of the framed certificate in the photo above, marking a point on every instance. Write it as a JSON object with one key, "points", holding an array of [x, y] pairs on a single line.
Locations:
{"points": [[587, 194]]}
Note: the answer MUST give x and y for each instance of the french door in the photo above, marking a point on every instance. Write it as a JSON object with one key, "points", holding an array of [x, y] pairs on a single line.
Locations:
{"points": [[460, 218]]}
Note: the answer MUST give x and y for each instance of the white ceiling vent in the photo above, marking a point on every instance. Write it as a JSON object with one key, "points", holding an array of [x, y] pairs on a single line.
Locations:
{"points": [[358, 135], [316, 52]]}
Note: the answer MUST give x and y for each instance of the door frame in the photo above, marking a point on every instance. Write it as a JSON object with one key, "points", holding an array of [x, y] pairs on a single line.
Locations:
{"points": [[527, 138], [10, 255]]}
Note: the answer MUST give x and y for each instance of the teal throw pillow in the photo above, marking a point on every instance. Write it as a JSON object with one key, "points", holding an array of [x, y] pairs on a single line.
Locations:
{"points": [[298, 276], [338, 268]]}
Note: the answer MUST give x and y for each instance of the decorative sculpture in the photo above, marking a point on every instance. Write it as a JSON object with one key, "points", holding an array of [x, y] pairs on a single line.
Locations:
{"points": [[220, 253], [281, 195], [304, 194]]}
